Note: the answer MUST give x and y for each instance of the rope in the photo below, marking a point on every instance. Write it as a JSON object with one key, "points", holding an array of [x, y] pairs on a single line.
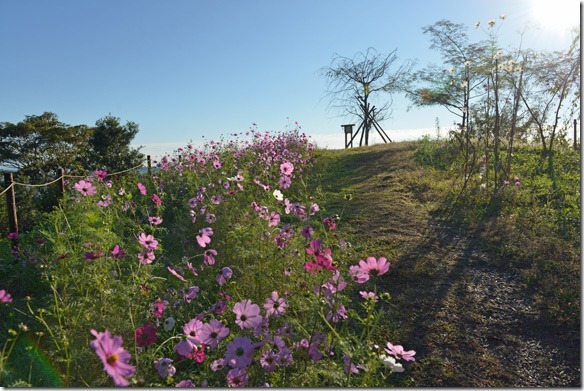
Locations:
{"points": [[13, 183], [8, 188]]}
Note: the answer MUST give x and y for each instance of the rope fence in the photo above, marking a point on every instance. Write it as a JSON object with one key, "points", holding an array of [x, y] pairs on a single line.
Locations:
{"points": [[11, 184]]}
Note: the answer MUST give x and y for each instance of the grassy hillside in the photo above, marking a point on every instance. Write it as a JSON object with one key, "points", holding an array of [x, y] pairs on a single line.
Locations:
{"points": [[488, 295]]}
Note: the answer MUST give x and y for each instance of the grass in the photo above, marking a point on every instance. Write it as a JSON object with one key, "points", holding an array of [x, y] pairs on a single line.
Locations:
{"points": [[449, 263]]}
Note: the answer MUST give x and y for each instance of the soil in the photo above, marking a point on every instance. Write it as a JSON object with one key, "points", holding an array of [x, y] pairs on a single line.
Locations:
{"points": [[472, 321]]}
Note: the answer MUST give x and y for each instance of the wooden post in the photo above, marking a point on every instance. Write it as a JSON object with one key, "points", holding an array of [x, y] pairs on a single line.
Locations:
{"points": [[11, 202], [61, 182], [149, 165], [575, 135], [348, 131]]}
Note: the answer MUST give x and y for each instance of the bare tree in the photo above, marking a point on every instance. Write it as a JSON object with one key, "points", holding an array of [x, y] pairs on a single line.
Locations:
{"points": [[354, 84]]}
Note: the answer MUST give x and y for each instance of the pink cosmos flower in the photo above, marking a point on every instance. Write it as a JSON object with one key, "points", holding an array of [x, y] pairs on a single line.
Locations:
{"points": [[185, 384], [275, 305], [186, 346], [146, 256], [5, 297], [398, 352], [192, 269], [209, 257], [164, 368], [157, 201], [13, 235], [225, 275], [155, 220], [213, 332], [314, 208], [237, 377], [247, 314], [286, 168], [158, 308], [274, 219], [338, 312], [191, 293], [374, 267], [218, 364], [238, 352], [85, 188], [115, 359], [349, 366], [148, 241], [118, 252], [175, 273], [145, 335], [142, 188], [307, 232], [205, 236], [269, 360], [285, 182], [357, 274], [369, 295], [100, 175]]}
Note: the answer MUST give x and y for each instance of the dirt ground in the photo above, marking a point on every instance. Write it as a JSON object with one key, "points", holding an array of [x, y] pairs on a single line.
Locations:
{"points": [[472, 322]]}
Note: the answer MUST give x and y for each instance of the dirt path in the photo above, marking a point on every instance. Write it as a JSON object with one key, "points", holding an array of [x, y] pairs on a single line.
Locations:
{"points": [[472, 322]]}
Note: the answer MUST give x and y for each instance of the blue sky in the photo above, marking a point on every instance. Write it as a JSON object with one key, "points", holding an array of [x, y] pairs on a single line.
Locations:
{"points": [[191, 68]]}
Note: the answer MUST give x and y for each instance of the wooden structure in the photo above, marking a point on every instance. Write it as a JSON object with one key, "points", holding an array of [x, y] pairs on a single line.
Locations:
{"points": [[348, 133], [368, 122]]}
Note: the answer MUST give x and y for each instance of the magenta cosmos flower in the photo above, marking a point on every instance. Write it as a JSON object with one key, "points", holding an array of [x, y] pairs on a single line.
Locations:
{"points": [[374, 267], [247, 315], [142, 188], [85, 188], [115, 359], [158, 308], [5, 297], [100, 174], [145, 335], [398, 352]]}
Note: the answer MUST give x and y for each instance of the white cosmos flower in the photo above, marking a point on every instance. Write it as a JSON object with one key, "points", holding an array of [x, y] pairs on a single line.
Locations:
{"points": [[389, 361], [278, 194], [169, 323]]}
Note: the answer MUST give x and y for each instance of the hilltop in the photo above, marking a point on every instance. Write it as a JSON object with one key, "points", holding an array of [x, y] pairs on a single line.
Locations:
{"points": [[470, 312]]}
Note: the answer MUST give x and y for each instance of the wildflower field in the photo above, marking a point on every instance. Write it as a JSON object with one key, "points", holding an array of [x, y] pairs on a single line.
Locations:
{"points": [[218, 269], [265, 261]]}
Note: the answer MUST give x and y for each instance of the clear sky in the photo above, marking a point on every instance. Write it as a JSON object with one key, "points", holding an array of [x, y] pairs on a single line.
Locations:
{"points": [[184, 69]]}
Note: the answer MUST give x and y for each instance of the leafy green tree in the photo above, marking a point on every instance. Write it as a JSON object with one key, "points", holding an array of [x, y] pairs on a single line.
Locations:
{"points": [[40, 144], [109, 145]]}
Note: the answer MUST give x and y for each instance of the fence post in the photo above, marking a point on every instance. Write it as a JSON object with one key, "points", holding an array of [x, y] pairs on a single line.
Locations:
{"points": [[61, 182], [575, 135], [11, 202], [149, 165]]}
